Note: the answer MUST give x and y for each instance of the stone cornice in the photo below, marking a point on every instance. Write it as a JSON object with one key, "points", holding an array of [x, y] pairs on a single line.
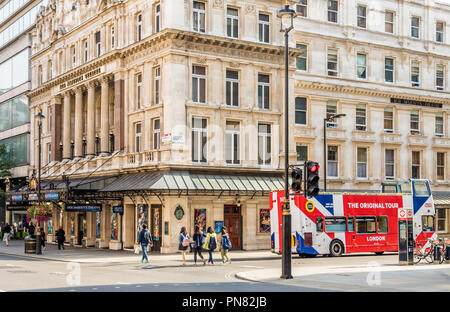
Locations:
{"points": [[366, 92], [175, 40]]}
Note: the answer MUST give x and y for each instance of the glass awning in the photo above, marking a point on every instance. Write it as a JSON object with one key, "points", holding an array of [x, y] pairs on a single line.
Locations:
{"points": [[195, 182]]}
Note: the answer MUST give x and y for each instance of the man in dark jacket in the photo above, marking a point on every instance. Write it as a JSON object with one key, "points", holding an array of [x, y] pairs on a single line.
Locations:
{"points": [[60, 237], [31, 230]]}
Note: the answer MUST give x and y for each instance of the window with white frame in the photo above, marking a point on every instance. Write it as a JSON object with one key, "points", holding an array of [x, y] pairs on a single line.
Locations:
{"points": [[199, 12], [263, 91], [415, 165], [439, 124], [232, 88], [232, 23], [389, 22], [332, 161], [157, 18], [98, 43], [361, 117], [199, 84], [264, 28], [74, 57], [302, 58], [302, 8], [361, 15], [49, 152], [361, 162], [389, 164], [232, 142], [440, 166], [333, 11], [86, 51], [199, 140], [302, 153], [300, 111], [264, 144], [156, 85], [440, 77], [137, 137], [415, 74], [331, 111], [113, 38], [156, 134], [442, 220], [361, 68], [332, 62], [139, 91], [415, 27], [139, 28], [388, 119], [414, 122], [440, 32], [388, 69]]}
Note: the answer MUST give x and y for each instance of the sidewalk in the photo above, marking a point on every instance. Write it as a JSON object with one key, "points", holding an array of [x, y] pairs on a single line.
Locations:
{"points": [[94, 255]]}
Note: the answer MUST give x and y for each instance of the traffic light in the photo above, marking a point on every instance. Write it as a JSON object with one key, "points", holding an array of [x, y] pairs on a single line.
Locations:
{"points": [[297, 175], [312, 178]]}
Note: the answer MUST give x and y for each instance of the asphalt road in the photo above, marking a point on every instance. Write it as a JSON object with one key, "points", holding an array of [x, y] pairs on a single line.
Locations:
{"points": [[24, 274]]}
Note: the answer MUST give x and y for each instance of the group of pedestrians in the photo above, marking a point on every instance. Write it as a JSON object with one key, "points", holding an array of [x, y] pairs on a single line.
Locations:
{"points": [[202, 242], [8, 233]]}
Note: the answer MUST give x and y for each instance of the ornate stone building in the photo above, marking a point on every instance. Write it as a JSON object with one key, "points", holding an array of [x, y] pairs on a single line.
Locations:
{"points": [[173, 110]]}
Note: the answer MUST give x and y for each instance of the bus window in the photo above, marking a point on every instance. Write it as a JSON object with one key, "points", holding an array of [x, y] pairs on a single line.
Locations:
{"points": [[365, 225], [406, 187], [428, 223], [421, 188], [351, 224], [319, 224], [335, 224], [382, 222], [389, 188]]}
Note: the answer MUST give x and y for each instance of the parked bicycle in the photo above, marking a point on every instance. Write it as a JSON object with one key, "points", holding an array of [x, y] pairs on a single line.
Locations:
{"points": [[421, 252]]}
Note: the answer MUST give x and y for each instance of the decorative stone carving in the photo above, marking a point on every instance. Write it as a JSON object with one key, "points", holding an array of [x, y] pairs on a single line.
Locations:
{"points": [[250, 9], [218, 4]]}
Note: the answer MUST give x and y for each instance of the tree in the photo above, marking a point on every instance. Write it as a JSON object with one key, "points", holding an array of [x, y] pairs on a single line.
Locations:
{"points": [[5, 166]]}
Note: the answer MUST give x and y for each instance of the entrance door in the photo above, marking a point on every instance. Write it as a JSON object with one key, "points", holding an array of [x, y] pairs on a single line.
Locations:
{"points": [[81, 228], [155, 227], [232, 222]]}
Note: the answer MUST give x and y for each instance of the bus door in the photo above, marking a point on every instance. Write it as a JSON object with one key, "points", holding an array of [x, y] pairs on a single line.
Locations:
{"points": [[350, 237], [365, 229]]}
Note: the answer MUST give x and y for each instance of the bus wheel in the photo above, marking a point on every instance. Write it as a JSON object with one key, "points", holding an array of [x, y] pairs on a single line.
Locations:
{"points": [[336, 248], [379, 253]]}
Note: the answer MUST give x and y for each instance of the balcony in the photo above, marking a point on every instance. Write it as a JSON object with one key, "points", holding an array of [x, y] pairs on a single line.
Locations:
{"points": [[441, 142], [391, 138], [363, 136], [417, 140]]}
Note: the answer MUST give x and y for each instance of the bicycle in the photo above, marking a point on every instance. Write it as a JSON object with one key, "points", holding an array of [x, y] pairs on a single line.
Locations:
{"points": [[420, 252]]}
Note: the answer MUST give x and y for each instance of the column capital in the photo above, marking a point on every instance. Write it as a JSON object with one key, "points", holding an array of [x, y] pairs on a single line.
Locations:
{"points": [[68, 93], [106, 78], [80, 89], [92, 84], [56, 99]]}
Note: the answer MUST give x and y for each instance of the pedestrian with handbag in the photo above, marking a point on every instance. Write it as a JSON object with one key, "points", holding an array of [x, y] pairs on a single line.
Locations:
{"points": [[183, 243], [224, 246], [210, 244], [198, 243], [145, 239]]}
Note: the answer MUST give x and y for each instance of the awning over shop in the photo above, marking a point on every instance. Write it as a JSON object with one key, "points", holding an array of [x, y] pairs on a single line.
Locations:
{"points": [[441, 199], [189, 182], [91, 183]]}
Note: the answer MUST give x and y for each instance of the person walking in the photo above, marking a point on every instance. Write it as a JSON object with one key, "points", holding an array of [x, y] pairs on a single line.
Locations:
{"points": [[145, 239], [60, 237], [6, 234], [183, 243], [198, 244], [43, 238], [224, 246], [31, 230], [210, 244]]}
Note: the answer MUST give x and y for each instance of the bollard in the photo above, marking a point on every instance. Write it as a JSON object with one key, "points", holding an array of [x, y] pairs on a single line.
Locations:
{"points": [[437, 254]]}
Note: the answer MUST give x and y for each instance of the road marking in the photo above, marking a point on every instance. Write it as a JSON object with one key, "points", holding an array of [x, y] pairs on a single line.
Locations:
{"points": [[156, 285], [121, 283], [117, 287], [251, 266]]}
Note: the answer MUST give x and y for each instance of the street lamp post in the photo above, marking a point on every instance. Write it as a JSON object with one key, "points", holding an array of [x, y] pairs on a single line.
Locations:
{"points": [[39, 117], [325, 158], [287, 24]]}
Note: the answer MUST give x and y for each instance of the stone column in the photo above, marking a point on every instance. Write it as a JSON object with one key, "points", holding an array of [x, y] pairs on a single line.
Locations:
{"points": [[66, 125], [104, 108], [79, 121], [119, 113], [56, 127], [91, 119]]}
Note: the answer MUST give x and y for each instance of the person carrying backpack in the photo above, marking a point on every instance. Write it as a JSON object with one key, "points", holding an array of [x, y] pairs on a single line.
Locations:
{"points": [[198, 243], [145, 239], [224, 246], [183, 243], [210, 244]]}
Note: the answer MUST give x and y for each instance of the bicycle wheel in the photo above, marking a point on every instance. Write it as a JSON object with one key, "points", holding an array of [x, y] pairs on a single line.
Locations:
{"points": [[442, 258], [417, 258], [429, 256]]}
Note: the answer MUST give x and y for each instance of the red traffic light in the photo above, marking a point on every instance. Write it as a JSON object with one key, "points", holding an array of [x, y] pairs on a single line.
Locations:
{"points": [[314, 168]]}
